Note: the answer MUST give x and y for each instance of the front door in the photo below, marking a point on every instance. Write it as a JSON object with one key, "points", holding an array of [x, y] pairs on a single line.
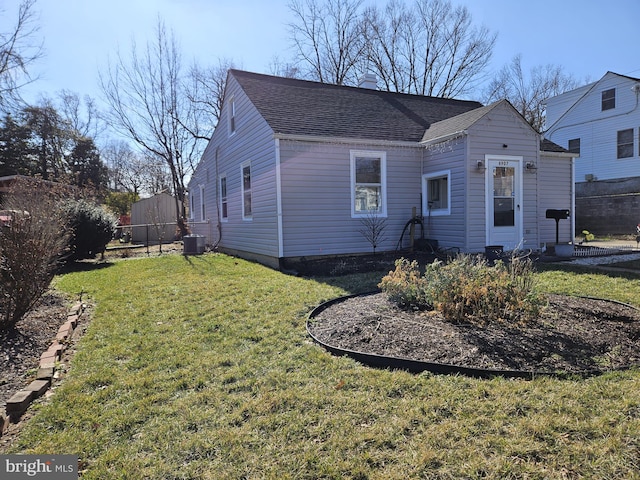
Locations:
{"points": [[504, 201]]}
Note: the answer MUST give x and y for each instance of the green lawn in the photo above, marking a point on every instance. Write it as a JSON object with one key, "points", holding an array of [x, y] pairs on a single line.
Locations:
{"points": [[200, 367]]}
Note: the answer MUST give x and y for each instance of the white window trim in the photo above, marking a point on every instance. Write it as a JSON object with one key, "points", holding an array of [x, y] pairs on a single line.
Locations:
{"points": [[242, 192], [202, 204], [383, 181], [436, 212], [231, 117], [192, 207], [220, 198]]}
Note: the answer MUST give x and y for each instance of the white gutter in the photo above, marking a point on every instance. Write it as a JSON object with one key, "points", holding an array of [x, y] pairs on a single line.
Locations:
{"points": [[344, 140], [444, 138]]}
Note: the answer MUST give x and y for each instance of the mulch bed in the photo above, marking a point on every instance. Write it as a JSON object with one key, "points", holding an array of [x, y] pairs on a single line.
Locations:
{"points": [[20, 348], [573, 335]]}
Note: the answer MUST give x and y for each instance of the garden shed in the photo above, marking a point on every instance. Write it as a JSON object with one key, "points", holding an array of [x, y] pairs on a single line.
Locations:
{"points": [[153, 219]]}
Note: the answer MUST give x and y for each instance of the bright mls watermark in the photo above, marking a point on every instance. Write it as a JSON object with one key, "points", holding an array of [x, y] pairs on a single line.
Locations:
{"points": [[50, 467]]}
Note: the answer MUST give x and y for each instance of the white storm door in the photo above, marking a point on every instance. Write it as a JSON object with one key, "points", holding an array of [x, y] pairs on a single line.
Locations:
{"points": [[504, 201]]}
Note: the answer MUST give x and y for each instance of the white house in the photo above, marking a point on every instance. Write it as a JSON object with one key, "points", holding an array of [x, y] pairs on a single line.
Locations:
{"points": [[294, 167], [600, 122]]}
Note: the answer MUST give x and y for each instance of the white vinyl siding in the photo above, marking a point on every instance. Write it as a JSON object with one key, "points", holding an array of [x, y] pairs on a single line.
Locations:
{"points": [[317, 197], [597, 130]]}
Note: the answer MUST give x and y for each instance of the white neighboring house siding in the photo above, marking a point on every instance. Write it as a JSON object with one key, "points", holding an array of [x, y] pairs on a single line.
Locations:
{"points": [[597, 129], [316, 196]]}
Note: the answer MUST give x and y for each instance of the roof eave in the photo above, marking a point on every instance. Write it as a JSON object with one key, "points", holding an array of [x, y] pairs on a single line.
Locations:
{"points": [[444, 138]]}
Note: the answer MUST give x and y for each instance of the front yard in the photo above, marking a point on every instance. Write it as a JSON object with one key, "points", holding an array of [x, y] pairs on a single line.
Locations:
{"points": [[200, 367]]}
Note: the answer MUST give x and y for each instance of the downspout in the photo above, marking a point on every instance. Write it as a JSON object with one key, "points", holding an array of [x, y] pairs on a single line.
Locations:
{"points": [[279, 200], [573, 199]]}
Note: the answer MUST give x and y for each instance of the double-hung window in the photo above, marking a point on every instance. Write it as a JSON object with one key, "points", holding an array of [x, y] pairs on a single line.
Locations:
{"points": [[224, 202], [203, 213], [436, 193], [608, 99], [368, 183], [574, 146], [625, 143], [247, 200]]}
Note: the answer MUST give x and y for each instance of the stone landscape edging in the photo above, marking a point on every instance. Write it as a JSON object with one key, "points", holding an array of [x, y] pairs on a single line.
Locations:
{"points": [[419, 366], [18, 404]]}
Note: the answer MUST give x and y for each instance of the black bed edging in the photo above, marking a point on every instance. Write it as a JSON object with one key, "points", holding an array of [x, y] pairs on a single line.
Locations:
{"points": [[418, 366]]}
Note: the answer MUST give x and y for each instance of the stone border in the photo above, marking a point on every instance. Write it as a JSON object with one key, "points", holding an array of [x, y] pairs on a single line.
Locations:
{"points": [[20, 401]]}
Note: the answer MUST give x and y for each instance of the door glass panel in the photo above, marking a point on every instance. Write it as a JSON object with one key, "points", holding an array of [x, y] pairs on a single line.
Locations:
{"points": [[503, 197]]}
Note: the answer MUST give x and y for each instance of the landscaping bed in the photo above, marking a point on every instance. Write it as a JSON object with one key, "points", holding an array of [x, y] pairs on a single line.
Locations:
{"points": [[573, 335]]}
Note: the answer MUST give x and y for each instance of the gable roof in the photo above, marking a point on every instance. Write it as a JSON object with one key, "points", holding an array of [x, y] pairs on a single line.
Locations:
{"points": [[458, 123], [584, 91], [301, 107]]}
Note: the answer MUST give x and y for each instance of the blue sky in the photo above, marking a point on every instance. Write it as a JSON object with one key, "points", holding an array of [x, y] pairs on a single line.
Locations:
{"points": [[586, 37]]}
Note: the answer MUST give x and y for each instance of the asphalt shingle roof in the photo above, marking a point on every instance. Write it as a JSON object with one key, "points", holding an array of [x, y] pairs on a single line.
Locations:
{"points": [[301, 107]]}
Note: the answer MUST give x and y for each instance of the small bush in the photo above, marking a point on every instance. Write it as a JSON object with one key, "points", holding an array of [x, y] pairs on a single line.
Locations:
{"points": [[467, 289], [92, 228]]}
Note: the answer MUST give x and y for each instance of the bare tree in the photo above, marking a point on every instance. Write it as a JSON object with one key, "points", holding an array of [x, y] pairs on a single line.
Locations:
{"points": [[148, 103], [430, 48], [18, 51], [205, 90], [328, 39], [81, 114], [528, 93]]}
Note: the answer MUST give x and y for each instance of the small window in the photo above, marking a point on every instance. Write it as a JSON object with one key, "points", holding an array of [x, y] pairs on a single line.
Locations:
{"points": [[203, 213], [625, 143], [224, 205], [232, 116], [608, 99], [574, 146], [436, 193], [247, 210], [368, 183], [192, 206]]}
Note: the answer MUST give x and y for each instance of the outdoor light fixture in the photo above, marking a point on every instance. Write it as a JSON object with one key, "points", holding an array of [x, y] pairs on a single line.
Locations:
{"points": [[530, 166], [480, 166]]}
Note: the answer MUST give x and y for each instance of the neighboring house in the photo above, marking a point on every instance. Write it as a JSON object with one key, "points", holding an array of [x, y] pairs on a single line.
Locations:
{"points": [[295, 168], [600, 122], [153, 219]]}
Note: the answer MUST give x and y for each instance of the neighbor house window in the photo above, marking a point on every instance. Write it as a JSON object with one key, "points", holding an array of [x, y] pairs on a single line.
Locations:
{"points": [[625, 143], [224, 204], [574, 146], [368, 183], [246, 191], [436, 193], [203, 213], [232, 116], [609, 99]]}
